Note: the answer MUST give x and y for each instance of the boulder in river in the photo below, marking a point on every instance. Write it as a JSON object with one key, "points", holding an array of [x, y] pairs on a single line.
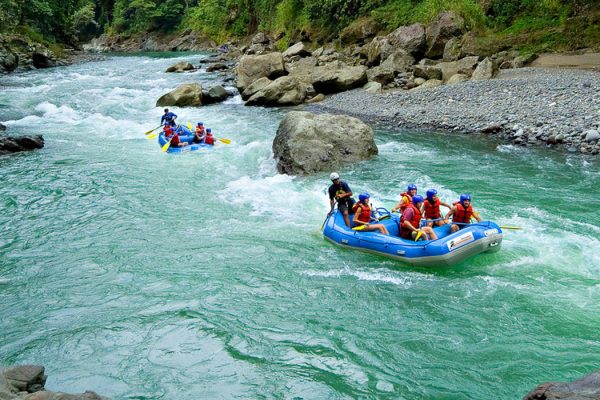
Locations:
{"points": [[586, 388], [181, 66], [306, 143], [189, 94], [215, 94], [283, 91], [14, 144], [27, 382]]}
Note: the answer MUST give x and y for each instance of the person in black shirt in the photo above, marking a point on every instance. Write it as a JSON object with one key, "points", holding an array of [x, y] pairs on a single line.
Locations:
{"points": [[340, 191]]}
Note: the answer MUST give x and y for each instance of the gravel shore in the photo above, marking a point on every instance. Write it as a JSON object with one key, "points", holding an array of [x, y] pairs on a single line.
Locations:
{"points": [[526, 106]]}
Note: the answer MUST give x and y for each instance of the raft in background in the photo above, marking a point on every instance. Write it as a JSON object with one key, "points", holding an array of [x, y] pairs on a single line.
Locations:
{"points": [[185, 135], [449, 249]]}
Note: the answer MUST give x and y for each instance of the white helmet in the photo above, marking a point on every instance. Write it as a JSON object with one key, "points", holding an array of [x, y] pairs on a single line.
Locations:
{"points": [[334, 176]]}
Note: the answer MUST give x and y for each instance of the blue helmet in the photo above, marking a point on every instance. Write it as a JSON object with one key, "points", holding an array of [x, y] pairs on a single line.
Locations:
{"points": [[417, 198], [431, 193], [410, 187], [363, 196], [464, 197], [200, 123], [208, 130]]}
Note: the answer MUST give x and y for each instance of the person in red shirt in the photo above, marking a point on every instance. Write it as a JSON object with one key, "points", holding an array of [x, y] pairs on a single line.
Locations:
{"points": [[411, 220], [461, 213], [173, 137]]}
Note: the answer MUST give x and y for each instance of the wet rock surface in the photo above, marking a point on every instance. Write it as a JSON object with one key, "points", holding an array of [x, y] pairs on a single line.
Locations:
{"points": [[15, 144]]}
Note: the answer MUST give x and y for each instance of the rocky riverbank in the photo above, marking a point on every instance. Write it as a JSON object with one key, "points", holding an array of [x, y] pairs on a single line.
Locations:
{"points": [[549, 107]]}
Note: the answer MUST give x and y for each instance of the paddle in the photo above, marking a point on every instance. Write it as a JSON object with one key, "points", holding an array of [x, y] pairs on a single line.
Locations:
{"points": [[152, 136], [511, 227], [419, 233], [226, 141], [189, 126], [167, 145], [359, 227], [150, 131], [329, 213]]}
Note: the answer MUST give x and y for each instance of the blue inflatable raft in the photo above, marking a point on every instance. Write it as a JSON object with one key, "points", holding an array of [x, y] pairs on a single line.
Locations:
{"points": [[448, 249], [185, 135]]}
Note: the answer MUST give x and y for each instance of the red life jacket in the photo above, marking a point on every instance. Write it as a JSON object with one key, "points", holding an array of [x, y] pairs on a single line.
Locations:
{"points": [[403, 205], [462, 214], [209, 138], [175, 140], [416, 219], [432, 211], [365, 212]]}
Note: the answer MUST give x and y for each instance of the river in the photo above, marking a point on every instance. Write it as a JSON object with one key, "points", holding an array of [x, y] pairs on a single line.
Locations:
{"points": [[144, 275]]}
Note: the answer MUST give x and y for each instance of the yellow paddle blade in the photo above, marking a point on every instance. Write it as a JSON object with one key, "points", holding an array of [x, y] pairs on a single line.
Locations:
{"points": [[152, 136], [189, 126], [419, 233], [359, 228], [511, 227], [226, 141], [166, 146], [152, 130]]}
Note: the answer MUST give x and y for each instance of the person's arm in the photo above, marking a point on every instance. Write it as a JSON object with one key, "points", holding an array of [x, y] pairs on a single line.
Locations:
{"points": [[476, 216], [450, 213], [356, 215], [397, 207], [409, 215]]}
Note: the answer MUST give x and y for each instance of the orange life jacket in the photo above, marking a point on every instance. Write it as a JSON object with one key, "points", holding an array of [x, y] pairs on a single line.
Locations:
{"points": [[365, 212], [462, 214], [209, 138], [416, 219], [432, 211]]}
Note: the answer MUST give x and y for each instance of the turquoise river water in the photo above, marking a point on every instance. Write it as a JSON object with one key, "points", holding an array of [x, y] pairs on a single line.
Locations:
{"points": [[143, 275]]}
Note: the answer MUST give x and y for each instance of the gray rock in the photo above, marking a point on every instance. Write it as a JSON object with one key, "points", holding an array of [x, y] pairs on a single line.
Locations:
{"points": [[486, 69], [446, 26], [592, 135], [260, 38], [457, 78], [431, 83], [372, 87], [14, 144], [283, 91], [255, 87], [306, 143], [189, 94], [427, 72], [215, 94], [587, 388], [409, 38], [251, 68], [180, 67], [316, 99], [299, 49], [332, 79], [216, 67], [464, 66], [2, 127], [452, 50]]}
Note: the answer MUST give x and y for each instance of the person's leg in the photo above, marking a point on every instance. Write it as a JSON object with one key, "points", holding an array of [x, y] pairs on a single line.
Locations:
{"points": [[430, 232], [346, 219]]}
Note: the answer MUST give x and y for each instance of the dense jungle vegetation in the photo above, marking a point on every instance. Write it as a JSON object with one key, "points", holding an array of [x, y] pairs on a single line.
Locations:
{"points": [[558, 24]]}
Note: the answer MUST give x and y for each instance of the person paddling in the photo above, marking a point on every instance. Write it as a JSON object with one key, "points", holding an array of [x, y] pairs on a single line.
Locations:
{"points": [[209, 138], [199, 133], [461, 213], [363, 215], [411, 221], [174, 137], [405, 198], [432, 208], [340, 191], [168, 118]]}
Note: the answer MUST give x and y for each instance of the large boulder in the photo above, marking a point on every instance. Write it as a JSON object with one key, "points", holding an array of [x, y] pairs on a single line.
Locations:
{"points": [[427, 72], [257, 85], [332, 78], [8, 60], [299, 49], [452, 50], [251, 68], [398, 61], [27, 382], [215, 94], [14, 144], [586, 388], [306, 143], [486, 69], [410, 38], [446, 26], [378, 49], [283, 91], [464, 66], [189, 94], [180, 67]]}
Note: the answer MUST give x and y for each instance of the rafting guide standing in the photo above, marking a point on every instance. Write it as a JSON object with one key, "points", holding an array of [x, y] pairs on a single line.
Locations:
{"points": [[340, 191]]}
